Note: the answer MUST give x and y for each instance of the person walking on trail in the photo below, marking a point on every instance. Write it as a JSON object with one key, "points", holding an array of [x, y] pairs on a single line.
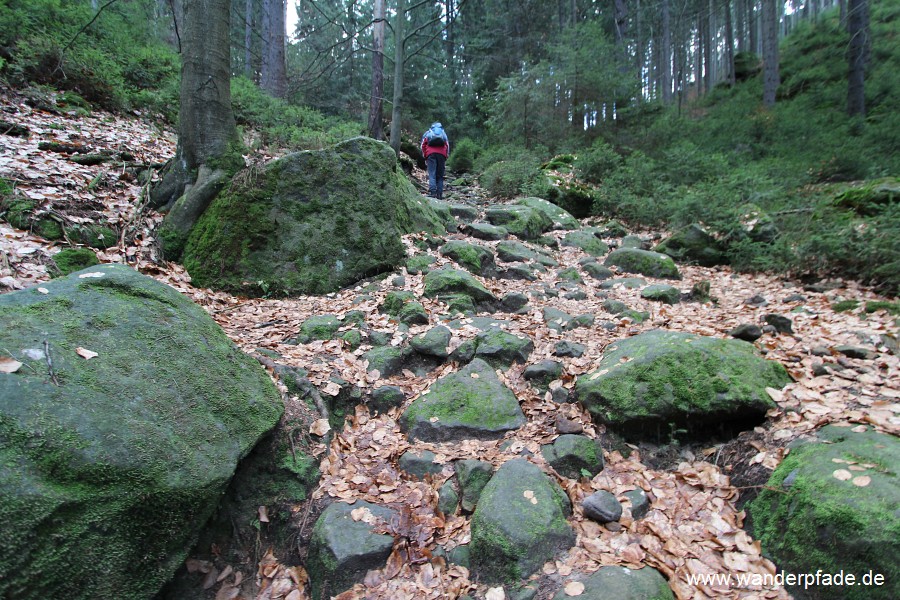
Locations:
{"points": [[436, 149]]}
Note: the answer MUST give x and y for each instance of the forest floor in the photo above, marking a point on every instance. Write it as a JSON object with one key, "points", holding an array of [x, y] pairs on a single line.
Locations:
{"points": [[695, 525]]}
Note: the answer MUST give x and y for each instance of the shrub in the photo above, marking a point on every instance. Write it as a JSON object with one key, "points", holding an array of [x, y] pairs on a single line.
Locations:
{"points": [[598, 163], [462, 157], [511, 178]]}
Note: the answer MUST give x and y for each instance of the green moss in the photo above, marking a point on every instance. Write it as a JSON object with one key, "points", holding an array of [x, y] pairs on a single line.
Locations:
{"points": [[70, 260], [845, 305], [570, 274], [394, 302], [892, 308], [419, 263], [319, 327], [473, 258]]}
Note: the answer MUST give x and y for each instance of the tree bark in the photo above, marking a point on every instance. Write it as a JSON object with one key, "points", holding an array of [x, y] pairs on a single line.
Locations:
{"points": [[399, 59], [771, 78], [248, 39], [376, 102], [729, 45], [858, 55], [273, 78], [665, 58], [752, 36]]}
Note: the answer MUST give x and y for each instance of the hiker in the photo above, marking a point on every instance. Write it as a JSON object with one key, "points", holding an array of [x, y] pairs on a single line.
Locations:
{"points": [[436, 148]]}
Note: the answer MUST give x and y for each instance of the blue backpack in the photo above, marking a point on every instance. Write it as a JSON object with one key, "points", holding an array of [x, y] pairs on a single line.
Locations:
{"points": [[435, 137]]}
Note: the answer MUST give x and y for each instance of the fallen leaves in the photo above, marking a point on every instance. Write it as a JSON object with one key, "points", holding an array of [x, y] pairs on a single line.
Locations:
{"points": [[85, 353], [574, 588], [9, 365], [320, 427]]}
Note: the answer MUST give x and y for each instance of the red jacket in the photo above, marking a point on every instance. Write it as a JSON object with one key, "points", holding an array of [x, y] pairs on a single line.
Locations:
{"points": [[428, 150]]}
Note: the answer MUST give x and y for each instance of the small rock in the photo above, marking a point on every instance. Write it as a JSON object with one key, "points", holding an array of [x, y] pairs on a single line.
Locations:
{"points": [[819, 370], [640, 503], [795, 298], [747, 332], [546, 371], [433, 342], [419, 463], [513, 301], [472, 476], [781, 323], [387, 397], [571, 349], [448, 499], [572, 454], [820, 351], [856, 352], [576, 295], [399, 281], [602, 507], [661, 293], [564, 425], [560, 395], [758, 300]]}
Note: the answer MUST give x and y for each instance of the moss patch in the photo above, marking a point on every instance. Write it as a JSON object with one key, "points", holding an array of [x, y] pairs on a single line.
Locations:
{"points": [[70, 260]]}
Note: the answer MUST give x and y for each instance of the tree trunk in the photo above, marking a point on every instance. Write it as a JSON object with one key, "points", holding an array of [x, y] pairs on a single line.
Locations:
{"points": [[752, 36], [739, 25], [376, 102], [729, 45], [248, 39], [273, 78], [208, 144], [639, 51], [858, 55], [666, 54], [771, 78], [399, 58]]}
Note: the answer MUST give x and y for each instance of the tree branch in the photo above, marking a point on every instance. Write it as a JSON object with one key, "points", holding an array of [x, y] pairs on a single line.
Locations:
{"points": [[91, 22]]}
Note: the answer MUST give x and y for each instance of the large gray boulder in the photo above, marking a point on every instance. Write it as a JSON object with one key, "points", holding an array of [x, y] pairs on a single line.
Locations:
{"points": [[650, 383], [111, 465], [344, 546], [519, 523], [469, 404], [834, 504], [522, 221], [311, 222]]}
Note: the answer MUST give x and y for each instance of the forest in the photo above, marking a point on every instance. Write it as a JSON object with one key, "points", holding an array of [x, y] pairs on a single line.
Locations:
{"points": [[661, 113], [642, 346]]}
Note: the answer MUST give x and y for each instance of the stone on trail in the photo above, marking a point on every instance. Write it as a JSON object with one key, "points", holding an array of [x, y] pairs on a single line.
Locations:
{"points": [[111, 465], [319, 327], [560, 217], [643, 262], [519, 523], [513, 251], [419, 463], [640, 503], [486, 231], [622, 583], [310, 222], [602, 507], [571, 454], [433, 342], [629, 283], [469, 404], [472, 257], [834, 504], [650, 383], [693, 244], [344, 546], [747, 332], [501, 349], [472, 475], [521, 221], [632, 241], [661, 292], [446, 283], [587, 240]]}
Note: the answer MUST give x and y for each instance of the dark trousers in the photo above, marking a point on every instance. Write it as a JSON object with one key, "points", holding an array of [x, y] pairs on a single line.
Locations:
{"points": [[435, 165]]}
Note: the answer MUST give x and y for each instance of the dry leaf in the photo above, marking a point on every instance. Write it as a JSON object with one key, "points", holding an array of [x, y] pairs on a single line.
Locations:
{"points": [[85, 353], [43, 290], [495, 594], [320, 427], [842, 475], [9, 365], [263, 514], [574, 588], [91, 275], [862, 481]]}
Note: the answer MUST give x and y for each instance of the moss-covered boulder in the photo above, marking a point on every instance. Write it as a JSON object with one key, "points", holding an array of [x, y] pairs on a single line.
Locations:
{"points": [[501, 349], [834, 505], [111, 465], [519, 523], [472, 257], [311, 222], [513, 251], [643, 262], [486, 231], [521, 221], [344, 546], [560, 218], [472, 475], [693, 244], [387, 360], [587, 240], [660, 292], [469, 404], [650, 383], [622, 583], [318, 327], [571, 454], [445, 284]]}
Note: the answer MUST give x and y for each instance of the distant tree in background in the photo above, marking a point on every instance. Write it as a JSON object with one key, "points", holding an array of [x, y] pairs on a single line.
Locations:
{"points": [[858, 55], [273, 76]]}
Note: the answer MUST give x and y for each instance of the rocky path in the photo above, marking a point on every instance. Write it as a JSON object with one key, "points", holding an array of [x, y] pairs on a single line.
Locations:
{"points": [[373, 351]]}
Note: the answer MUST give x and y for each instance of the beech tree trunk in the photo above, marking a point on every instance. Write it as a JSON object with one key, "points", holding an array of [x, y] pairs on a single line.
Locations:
{"points": [[771, 78], [858, 55], [376, 101], [273, 76]]}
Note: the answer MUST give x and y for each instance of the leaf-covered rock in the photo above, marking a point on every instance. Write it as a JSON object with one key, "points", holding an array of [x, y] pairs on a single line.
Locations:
{"points": [[311, 222], [112, 465]]}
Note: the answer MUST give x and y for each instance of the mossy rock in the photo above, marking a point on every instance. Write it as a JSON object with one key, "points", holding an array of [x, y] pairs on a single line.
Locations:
{"points": [[413, 313], [643, 262], [757, 225], [342, 549], [834, 505], [463, 212], [319, 327], [395, 301], [633, 241], [95, 236], [623, 583], [311, 222], [110, 467], [486, 231], [433, 342], [442, 210], [613, 229], [648, 384], [560, 218], [513, 251], [519, 523], [598, 271], [661, 292], [444, 283], [587, 241], [629, 283], [693, 244], [469, 404], [70, 260], [572, 454], [387, 360], [501, 349], [472, 257], [521, 221], [472, 475], [419, 263]]}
